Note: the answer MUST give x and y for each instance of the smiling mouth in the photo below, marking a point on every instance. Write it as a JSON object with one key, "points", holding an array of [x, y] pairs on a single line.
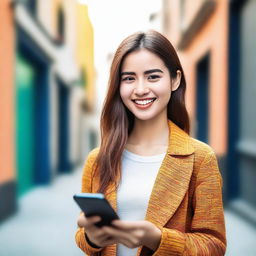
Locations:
{"points": [[144, 102]]}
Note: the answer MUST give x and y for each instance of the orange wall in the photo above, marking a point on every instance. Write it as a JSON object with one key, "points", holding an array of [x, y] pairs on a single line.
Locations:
{"points": [[7, 95], [212, 37]]}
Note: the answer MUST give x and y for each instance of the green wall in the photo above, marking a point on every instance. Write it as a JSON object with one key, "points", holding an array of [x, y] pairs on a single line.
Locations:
{"points": [[25, 76]]}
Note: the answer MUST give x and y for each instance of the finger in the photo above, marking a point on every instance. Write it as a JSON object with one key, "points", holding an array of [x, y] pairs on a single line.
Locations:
{"points": [[127, 238], [128, 243], [98, 236], [87, 222], [114, 240], [108, 241], [93, 219], [126, 225]]}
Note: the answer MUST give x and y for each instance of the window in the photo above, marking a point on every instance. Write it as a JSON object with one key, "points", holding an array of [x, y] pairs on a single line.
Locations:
{"points": [[60, 26], [32, 6]]}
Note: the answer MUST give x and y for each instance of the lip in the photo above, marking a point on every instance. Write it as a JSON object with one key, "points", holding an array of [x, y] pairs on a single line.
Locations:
{"points": [[144, 106]]}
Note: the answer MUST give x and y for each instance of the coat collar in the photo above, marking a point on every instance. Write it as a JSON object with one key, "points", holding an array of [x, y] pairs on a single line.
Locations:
{"points": [[179, 141]]}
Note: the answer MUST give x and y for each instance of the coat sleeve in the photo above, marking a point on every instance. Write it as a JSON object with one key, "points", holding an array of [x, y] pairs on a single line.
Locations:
{"points": [[207, 234], [80, 236]]}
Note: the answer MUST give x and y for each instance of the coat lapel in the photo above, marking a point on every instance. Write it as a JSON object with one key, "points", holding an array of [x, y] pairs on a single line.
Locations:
{"points": [[173, 178]]}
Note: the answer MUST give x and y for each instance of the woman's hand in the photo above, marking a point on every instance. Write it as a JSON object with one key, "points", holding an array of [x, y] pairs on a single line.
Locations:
{"points": [[96, 235], [132, 234], [135, 233]]}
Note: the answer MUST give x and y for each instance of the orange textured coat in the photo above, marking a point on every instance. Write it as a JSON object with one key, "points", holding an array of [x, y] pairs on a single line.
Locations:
{"points": [[185, 203]]}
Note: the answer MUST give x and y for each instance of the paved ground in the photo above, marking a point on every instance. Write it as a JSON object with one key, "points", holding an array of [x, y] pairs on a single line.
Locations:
{"points": [[241, 236], [46, 222]]}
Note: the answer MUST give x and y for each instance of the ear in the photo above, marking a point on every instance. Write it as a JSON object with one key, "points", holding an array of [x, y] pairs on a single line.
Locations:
{"points": [[176, 81]]}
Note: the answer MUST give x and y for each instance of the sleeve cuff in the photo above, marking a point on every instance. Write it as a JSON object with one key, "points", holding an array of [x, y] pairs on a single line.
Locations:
{"points": [[91, 243], [84, 243], [172, 243]]}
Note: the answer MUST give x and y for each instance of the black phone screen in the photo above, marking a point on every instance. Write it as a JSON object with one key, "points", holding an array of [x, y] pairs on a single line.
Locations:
{"points": [[95, 204]]}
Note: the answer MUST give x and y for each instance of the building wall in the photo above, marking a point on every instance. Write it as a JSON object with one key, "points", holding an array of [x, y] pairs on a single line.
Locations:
{"points": [[30, 42], [78, 45], [225, 30], [46, 15], [171, 21], [85, 51], [242, 124], [7, 104], [89, 138], [6, 93], [190, 11], [212, 38]]}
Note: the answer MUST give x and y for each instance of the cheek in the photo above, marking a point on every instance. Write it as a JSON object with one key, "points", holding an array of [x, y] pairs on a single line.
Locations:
{"points": [[163, 92], [165, 89], [125, 93]]}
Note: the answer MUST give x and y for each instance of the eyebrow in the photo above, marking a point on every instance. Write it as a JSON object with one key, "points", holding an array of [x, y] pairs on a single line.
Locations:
{"points": [[153, 71], [146, 72]]}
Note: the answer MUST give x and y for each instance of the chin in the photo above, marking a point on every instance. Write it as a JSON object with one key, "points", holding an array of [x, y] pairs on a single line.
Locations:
{"points": [[144, 117]]}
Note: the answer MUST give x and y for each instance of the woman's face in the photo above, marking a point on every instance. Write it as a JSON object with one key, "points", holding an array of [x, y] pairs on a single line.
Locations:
{"points": [[146, 85]]}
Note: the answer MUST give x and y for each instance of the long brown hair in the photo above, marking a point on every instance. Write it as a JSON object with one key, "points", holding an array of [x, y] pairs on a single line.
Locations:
{"points": [[117, 121]]}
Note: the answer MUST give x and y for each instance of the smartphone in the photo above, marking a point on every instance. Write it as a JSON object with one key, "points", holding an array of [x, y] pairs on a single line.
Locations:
{"points": [[93, 204]]}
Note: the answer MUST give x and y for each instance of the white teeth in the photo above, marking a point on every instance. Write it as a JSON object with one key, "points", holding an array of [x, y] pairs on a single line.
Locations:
{"points": [[143, 102]]}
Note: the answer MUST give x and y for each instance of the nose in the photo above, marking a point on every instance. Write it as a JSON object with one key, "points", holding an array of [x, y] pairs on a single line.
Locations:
{"points": [[141, 88]]}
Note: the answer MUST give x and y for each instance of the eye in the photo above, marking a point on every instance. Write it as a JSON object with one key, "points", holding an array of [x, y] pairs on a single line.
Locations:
{"points": [[128, 78], [153, 77]]}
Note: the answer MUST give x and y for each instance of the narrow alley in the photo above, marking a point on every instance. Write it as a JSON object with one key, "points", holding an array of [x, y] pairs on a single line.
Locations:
{"points": [[45, 224]]}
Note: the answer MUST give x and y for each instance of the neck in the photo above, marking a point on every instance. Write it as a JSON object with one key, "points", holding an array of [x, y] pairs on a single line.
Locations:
{"points": [[150, 133]]}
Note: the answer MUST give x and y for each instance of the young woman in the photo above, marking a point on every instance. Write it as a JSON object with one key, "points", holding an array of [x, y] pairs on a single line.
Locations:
{"points": [[164, 185]]}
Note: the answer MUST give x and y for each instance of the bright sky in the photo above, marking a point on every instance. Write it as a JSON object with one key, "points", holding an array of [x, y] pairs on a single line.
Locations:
{"points": [[113, 20]]}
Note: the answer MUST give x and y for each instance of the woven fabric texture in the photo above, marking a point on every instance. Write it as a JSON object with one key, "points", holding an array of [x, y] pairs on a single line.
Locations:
{"points": [[185, 203]]}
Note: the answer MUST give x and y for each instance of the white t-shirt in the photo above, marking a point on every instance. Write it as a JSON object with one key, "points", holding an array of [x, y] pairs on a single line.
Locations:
{"points": [[138, 174]]}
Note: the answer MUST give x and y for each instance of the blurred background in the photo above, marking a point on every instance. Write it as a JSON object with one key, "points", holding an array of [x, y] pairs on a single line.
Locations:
{"points": [[54, 65]]}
